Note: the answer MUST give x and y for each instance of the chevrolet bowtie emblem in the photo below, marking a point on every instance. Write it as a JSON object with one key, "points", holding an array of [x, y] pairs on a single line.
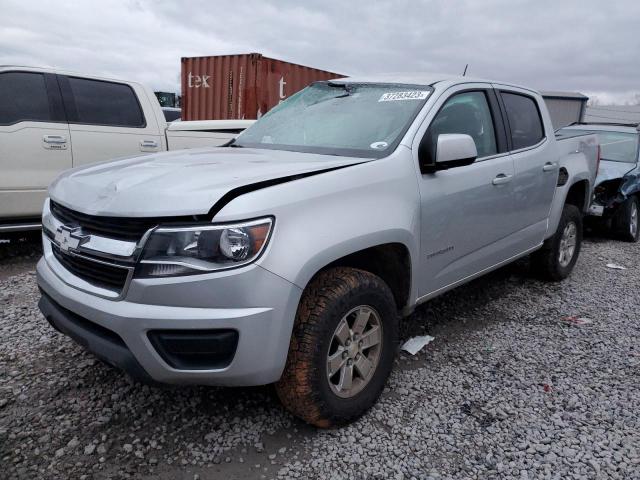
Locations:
{"points": [[69, 238]]}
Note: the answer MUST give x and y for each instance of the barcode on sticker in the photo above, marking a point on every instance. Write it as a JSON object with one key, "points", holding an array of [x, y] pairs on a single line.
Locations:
{"points": [[411, 95]]}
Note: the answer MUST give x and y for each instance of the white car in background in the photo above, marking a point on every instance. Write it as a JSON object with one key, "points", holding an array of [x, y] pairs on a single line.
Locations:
{"points": [[52, 120]]}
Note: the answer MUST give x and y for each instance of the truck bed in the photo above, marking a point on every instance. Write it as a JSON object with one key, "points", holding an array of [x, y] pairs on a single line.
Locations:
{"points": [[576, 153]]}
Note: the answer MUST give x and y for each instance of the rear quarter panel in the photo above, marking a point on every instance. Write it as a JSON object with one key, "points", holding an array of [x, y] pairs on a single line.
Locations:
{"points": [[579, 156]]}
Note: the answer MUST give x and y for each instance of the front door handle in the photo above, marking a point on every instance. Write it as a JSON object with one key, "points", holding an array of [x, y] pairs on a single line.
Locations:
{"points": [[549, 167], [54, 142], [502, 179], [148, 144]]}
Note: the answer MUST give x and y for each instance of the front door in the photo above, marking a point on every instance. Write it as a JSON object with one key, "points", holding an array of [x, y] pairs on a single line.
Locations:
{"points": [[34, 141], [467, 212]]}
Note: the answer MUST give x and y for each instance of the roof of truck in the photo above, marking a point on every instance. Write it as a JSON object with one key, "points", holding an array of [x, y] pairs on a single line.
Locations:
{"points": [[61, 71], [421, 79]]}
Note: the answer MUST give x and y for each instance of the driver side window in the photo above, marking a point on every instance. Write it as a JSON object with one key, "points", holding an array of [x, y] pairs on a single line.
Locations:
{"points": [[466, 113]]}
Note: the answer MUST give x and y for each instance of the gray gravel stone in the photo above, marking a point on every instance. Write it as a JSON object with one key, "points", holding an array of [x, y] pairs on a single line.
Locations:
{"points": [[506, 390]]}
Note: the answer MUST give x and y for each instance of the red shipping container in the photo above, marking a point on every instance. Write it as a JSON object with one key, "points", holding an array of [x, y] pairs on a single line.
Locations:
{"points": [[240, 86]]}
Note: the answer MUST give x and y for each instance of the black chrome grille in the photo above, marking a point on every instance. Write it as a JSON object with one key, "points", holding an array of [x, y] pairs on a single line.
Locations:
{"points": [[110, 277], [121, 228]]}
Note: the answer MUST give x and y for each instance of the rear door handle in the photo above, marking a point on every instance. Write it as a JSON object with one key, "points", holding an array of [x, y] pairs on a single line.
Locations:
{"points": [[54, 139], [549, 167], [502, 179]]}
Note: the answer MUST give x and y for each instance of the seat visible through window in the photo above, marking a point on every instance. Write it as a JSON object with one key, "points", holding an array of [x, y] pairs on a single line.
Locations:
{"points": [[466, 113]]}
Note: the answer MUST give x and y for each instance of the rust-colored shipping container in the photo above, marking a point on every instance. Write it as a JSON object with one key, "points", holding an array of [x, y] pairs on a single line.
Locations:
{"points": [[240, 86]]}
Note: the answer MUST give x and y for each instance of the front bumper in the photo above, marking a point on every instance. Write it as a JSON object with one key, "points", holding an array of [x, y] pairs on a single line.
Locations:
{"points": [[257, 304]]}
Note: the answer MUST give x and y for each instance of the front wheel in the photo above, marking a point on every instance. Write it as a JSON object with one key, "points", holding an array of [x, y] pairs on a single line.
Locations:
{"points": [[559, 254], [626, 220], [342, 347]]}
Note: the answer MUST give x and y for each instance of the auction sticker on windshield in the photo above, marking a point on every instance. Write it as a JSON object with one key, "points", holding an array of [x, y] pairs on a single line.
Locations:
{"points": [[410, 95]]}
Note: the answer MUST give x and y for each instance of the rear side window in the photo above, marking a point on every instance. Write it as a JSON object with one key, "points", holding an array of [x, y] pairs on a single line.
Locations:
{"points": [[524, 120], [105, 103], [23, 97]]}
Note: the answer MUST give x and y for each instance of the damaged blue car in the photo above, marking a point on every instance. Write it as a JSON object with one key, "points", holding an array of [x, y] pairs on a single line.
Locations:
{"points": [[616, 198]]}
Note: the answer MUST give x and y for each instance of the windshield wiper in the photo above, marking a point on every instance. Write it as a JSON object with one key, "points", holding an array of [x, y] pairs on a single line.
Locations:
{"points": [[347, 88], [232, 143]]}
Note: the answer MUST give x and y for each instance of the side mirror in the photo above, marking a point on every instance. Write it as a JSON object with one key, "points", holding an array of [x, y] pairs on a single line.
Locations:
{"points": [[452, 150]]}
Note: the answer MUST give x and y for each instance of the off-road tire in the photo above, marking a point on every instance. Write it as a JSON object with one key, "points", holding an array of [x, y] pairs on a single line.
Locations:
{"points": [[304, 388], [622, 220], [545, 262]]}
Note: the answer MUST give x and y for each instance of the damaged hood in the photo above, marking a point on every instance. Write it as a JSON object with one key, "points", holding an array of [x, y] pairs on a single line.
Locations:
{"points": [[612, 170], [185, 182]]}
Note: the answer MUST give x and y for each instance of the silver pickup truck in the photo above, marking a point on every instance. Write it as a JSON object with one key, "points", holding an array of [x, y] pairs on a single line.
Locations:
{"points": [[290, 255]]}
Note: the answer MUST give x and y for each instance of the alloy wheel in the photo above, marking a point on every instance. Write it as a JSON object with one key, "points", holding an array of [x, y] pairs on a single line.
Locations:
{"points": [[633, 220], [355, 351], [567, 244]]}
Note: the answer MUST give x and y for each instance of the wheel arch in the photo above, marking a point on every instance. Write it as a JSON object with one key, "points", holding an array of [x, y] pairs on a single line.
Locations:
{"points": [[391, 261], [578, 195]]}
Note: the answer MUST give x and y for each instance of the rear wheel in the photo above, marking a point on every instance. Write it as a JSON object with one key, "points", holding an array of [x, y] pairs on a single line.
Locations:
{"points": [[342, 347], [559, 254], [626, 221]]}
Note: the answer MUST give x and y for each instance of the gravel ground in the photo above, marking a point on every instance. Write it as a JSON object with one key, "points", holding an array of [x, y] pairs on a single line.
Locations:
{"points": [[19, 254], [507, 390]]}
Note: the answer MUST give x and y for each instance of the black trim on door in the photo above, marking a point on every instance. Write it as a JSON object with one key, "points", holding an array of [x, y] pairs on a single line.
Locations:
{"points": [[503, 139], [69, 103], [55, 98], [503, 111]]}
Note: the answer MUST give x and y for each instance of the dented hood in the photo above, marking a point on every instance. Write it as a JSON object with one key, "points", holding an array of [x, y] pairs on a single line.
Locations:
{"points": [[612, 170], [186, 182]]}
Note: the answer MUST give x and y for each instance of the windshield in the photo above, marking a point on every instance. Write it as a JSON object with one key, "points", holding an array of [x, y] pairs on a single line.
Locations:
{"points": [[358, 120], [615, 146]]}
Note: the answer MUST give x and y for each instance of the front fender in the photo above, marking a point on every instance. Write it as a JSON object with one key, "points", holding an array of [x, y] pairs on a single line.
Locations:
{"points": [[324, 217]]}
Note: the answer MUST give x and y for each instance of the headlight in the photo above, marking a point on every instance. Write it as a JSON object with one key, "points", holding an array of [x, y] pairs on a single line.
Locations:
{"points": [[172, 251]]}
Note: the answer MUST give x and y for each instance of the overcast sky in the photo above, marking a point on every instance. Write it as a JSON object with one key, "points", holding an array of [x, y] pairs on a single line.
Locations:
{"points": [[589, 46]]}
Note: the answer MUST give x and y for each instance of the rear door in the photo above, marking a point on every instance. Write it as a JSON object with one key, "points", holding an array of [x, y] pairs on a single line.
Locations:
{"points": [[535, 162], [107, 120], [34, 141]]}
